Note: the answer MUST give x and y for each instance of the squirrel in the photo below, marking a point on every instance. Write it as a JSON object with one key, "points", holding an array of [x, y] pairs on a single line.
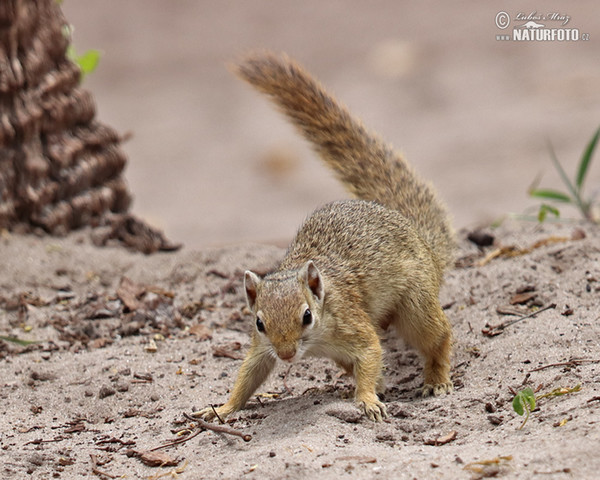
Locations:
{"points": [[355, 267]]}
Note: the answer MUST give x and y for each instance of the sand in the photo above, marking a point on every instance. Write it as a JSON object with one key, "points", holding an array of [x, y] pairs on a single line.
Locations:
{"points": [[128, 344]]}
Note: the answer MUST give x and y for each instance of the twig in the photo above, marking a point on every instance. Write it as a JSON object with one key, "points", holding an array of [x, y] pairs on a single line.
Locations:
{"points": [[176, 442], [570, 363], [100, 473], [219, 428], [116, 440], [217, 415], [39, 441], [97, 471], [288, 389], [492, 331]]}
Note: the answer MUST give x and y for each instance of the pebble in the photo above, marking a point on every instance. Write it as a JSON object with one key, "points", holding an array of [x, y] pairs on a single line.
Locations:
{"points": [[106, 392]]}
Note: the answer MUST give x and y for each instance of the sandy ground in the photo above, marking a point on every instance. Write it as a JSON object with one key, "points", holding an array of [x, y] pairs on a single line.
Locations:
{"points": [[130, 343], [211, 162]]}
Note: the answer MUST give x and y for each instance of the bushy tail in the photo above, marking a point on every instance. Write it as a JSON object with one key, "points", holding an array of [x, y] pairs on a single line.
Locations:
{"points": [[369, 168]]}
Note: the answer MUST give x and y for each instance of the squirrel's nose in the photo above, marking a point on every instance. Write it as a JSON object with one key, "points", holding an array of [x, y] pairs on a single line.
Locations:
{"points": [[286, 354]]}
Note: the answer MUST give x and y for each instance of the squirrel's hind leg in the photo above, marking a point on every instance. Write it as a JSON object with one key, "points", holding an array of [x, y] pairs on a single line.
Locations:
{"points": [[437, 367], [428, 330]]}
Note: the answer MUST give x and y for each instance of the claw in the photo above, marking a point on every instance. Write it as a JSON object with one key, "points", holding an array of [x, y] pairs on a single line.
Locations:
{"points": [[205, 414], [436, 390], [375, 411], [209, 413]]}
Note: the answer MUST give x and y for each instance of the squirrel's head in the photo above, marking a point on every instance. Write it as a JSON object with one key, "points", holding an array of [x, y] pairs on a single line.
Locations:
{"points": [[287, 308]]}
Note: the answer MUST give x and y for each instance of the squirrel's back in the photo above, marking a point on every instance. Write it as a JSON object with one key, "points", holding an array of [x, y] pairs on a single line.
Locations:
{"points": [[371, 169]]}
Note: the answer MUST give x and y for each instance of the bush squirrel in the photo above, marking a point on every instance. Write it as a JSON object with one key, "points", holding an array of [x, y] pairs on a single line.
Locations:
{"points": [[355, 267]]}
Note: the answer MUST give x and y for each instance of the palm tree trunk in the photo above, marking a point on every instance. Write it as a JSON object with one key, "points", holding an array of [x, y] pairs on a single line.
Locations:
{"points": [[59, 167]]}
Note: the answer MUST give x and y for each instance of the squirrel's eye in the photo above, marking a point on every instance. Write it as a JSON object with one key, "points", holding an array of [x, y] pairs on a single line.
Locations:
{"points": [[260, 326], [307, 317]]}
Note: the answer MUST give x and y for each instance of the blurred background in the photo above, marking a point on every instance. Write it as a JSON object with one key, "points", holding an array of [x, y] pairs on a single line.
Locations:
{"points": [[211, 162]]}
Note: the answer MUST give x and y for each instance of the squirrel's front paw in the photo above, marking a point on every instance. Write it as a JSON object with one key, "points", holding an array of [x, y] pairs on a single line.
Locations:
{"points": [[373, 409], [436, 390], [210, 413]]}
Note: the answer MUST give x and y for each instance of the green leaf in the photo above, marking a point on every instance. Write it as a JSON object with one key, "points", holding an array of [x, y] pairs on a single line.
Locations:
{"points": [[529, 397], [551, 195], [518, 405], [524, 401], [88, 61], [584, 163], [545, 209], [18, 341]]}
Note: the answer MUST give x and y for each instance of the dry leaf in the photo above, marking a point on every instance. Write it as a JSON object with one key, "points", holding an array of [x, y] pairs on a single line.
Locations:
{"points": [[229, 351], [201, 331], [521, 298], [157, 459], [509, 310], [443, 440], [129, 293]]}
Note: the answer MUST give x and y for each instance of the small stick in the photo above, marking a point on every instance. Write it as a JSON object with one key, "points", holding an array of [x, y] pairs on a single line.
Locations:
{"points": [[289, 390], [97, 471], [217, 415], [492, 331], [100, 473], [116, 440], [571, 363], [39, 441], [219, 428], [176, 442]]}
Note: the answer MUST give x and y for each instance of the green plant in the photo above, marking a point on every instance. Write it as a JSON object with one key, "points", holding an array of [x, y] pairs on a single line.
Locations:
{"points": [[525, 400], [524, 403], [575, 188], [88, 61]]}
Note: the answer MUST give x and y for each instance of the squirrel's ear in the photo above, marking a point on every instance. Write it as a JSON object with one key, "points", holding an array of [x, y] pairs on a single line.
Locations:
{"points": [[251, 282], [313, 279]]}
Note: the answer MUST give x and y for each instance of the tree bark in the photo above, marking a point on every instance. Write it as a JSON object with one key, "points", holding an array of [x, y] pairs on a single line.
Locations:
{"points": [[59, 167]]}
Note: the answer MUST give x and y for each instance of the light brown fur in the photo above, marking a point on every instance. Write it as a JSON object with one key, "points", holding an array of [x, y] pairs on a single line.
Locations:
{"points": [[358, 266]]}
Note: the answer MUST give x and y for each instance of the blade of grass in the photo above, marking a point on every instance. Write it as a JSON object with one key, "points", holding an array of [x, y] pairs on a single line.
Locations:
{"points": [[551, 195], [585, 160], [576, 198], [18, 341]]}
